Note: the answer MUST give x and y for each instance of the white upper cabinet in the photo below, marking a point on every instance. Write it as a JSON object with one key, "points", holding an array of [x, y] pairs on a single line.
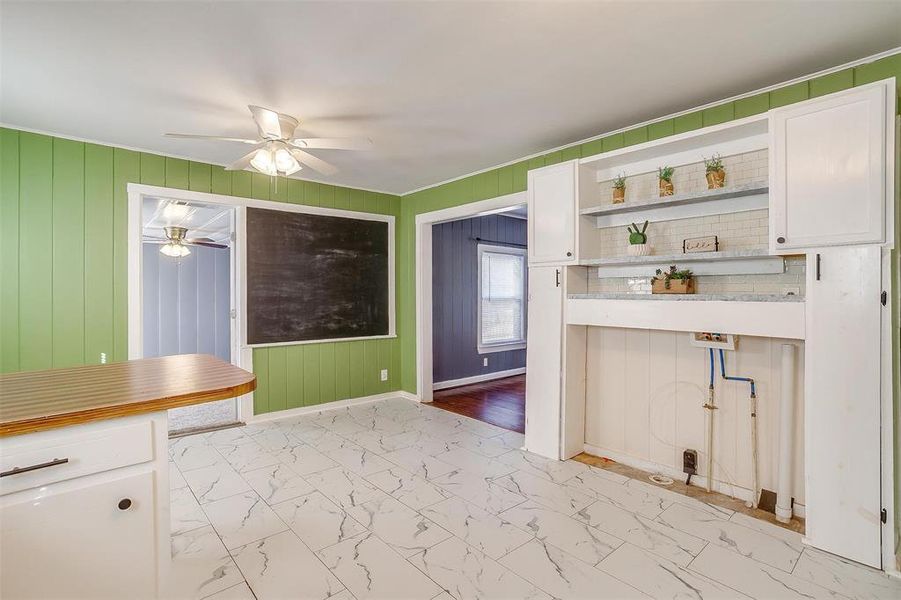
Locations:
{"points": [[831, 172], [553, 214]]}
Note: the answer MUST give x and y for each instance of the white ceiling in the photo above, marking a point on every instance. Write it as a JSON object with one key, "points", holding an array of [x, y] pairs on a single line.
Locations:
{"points": [[201, 220], [442, 88]]}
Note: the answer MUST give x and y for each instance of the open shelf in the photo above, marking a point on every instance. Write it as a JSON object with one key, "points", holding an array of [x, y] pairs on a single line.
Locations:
{"points": [[689, 297], [734, 262], [737, 191]]}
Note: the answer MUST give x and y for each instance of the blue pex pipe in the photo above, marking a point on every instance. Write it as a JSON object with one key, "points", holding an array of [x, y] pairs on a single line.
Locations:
{"points": [[711, 366], [723, 372]]}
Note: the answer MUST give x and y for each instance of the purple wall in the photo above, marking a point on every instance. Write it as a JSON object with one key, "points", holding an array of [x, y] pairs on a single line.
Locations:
{"points": [[454, 289]]}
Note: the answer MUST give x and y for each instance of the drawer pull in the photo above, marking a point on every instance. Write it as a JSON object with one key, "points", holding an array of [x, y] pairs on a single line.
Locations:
{"points": [[18, 470], [124, 503]]}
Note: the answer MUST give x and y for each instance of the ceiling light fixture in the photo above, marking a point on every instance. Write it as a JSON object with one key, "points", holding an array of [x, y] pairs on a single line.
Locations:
{"points": [[275, 159], [174, 247]]}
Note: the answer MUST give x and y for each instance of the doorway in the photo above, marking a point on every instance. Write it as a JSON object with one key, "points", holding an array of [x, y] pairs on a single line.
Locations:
{"points": [[473, 273], [187, 292]]}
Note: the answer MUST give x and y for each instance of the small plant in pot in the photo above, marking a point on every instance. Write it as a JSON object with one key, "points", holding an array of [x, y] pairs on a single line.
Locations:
{"points": [[716, 174], [673, 281], [619, 188], [638, 240], [665, 177]]}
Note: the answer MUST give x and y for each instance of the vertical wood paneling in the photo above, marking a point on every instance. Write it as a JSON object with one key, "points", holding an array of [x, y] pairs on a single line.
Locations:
{"points": [[343, 370], [36, 251], [327, 372], [294, 379], [150, 302], [311, 375], [261, 370], [9, 250], [455, 277], [126, 169], [98, 252], [177, 173], [278, 379], [358, 374]]}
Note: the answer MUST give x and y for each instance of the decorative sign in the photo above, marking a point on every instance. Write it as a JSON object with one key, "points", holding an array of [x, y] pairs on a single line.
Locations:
{"points": [[700, 244]]}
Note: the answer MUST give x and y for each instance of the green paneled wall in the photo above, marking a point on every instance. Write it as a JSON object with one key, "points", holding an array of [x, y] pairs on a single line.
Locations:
{"points": [[512, 178], [63, 277]]}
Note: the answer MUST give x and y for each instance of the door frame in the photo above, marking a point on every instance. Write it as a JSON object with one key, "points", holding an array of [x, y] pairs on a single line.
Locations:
{"points": [[240, 355], [423, 285]]}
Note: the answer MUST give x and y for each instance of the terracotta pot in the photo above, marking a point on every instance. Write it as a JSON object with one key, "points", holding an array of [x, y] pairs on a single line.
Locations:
{"points": [[676, 286], [716, 179], [619, 195], [666, 188]]}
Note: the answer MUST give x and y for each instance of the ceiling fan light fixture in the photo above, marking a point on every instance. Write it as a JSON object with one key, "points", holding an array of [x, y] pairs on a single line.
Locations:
{"points": [[263, 162], [285, 162], [175, 250]]}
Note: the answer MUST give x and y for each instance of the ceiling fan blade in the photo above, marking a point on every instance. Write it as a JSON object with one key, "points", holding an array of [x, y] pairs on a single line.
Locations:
{"points": [[191, 136], [314, 163], [273, 125], [334, 143], [203, 242], [242, 163]]}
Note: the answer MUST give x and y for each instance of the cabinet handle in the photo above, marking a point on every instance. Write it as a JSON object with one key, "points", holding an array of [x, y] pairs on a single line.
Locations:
{"points": [[18, 470], [780, 240], [818, 267], [124, 503], [557, 271]]}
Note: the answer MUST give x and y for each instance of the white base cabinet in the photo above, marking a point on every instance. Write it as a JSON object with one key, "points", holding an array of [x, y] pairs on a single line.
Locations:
{"points": [[842, 403], [94, 522]]}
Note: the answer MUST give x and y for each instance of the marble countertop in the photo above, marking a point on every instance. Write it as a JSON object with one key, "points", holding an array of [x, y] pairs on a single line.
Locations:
{"points": [[689, 297]]}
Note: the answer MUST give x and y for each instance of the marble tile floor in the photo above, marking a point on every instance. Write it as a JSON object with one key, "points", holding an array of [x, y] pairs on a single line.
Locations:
{"points": [[395, 499]]}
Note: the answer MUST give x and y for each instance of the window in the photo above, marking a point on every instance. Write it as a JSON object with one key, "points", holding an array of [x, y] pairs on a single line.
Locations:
{"points": [[502, 307]]}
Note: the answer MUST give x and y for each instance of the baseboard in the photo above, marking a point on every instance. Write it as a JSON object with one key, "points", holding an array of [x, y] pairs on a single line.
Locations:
{"points": [[722, 487], [305, 410], [442, 385]]}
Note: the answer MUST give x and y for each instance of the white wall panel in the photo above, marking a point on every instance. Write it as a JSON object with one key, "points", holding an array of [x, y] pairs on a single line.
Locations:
{"points": [[644, 397]]}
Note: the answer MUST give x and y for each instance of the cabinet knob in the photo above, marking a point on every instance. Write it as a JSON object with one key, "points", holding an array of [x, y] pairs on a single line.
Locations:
{"points": [[569, 253], [124, 503], [780, 240]]}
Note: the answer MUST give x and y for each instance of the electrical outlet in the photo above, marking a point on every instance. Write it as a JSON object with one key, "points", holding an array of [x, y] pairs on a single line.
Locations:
{"points": [[384, 375], [690, 461], [103, 358], [791, 290], [485, 362]]}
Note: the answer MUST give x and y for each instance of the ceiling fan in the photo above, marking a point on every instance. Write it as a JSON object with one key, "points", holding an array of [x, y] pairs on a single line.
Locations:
{"points": [[277, 151], [176, 242]]}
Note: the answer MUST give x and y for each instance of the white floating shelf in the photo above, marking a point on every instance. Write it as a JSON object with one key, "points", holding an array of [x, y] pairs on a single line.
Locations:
{"points": [[735, 262], [760, 318], [757, 188]]}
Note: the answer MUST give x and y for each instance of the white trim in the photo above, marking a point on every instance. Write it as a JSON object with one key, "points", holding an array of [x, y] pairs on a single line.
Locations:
{"points": [[770, 88], [242, 353], [728, 489], [520, 343], [335, 405], [423, 275], [451, 383]]}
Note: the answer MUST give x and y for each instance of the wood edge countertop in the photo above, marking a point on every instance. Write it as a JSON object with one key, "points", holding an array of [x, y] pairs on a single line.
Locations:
{"points": [[39, 400]]}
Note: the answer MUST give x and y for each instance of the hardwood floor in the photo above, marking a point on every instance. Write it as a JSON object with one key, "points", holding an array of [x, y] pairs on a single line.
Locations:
{"points": [[501, 402]]}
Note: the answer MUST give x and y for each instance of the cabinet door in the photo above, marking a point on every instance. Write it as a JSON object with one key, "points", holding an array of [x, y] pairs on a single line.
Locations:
{"points": [[552, 214], [72, 540], [842, 402], [828, 160], [543, 361]]}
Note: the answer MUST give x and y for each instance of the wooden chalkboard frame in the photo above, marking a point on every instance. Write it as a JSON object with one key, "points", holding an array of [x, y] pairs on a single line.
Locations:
{"points": [[315, 210]]}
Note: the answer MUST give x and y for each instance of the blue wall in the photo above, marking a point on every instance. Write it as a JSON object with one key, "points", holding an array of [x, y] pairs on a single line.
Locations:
{"points": [[454, 289]]}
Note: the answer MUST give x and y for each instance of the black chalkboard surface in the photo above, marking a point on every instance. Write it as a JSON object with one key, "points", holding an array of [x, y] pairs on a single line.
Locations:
{"points": [[315, 277]]}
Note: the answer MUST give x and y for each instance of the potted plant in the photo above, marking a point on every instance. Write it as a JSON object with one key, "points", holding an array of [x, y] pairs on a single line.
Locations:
{"points": [[638, 240], [673, 281], [619, 188], [665, 175], [716, 174]]}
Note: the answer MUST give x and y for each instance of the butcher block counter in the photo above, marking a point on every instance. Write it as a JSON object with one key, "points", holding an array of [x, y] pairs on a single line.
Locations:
{"points": [[84, 476]]}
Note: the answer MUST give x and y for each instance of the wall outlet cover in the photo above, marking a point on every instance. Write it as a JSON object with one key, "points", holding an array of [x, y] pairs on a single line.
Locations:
{"points": [[485, 362], [690, 461], [384, 375]]}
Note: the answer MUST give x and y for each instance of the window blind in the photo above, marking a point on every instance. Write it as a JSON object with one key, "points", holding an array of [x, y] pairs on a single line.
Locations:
{"points": [[502, 297]]}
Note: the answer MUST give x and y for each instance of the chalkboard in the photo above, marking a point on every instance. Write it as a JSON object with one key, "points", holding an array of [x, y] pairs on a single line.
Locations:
{"points": [[315, 277]]}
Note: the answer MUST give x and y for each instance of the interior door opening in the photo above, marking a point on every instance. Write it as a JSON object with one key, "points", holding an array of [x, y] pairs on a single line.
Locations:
{"points": [[479, 316], [188, 283]]}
